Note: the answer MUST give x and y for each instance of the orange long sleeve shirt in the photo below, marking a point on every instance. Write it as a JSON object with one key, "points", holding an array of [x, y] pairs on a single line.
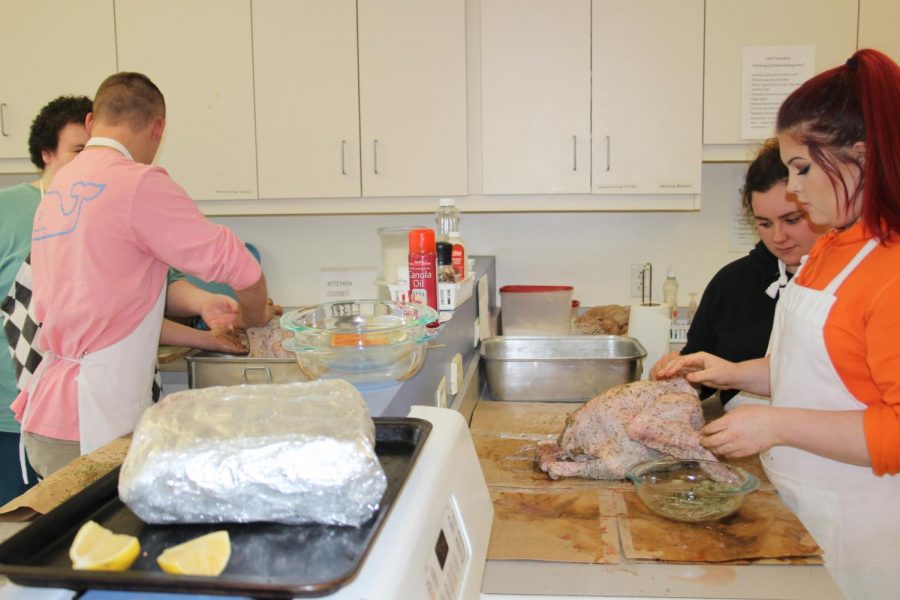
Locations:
{"points": [[862, 333]]}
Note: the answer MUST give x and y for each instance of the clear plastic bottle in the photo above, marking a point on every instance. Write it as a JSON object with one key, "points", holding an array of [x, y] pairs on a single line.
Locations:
{"points": [[670, 292], [447, 219]]}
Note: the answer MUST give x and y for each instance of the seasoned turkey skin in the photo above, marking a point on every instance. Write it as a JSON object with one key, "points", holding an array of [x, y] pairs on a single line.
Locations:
{"points": [[626, 425]]}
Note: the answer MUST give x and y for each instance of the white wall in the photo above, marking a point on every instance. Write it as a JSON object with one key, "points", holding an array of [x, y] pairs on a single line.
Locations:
{"points": [[591, 251]]}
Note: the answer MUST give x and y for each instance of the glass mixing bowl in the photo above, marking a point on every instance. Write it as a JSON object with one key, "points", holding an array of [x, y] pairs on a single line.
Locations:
{"points": [[691, 490], [362, 341]]}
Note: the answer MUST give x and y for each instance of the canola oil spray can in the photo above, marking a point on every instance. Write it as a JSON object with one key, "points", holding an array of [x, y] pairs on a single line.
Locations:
{"points": [[423, 269]]}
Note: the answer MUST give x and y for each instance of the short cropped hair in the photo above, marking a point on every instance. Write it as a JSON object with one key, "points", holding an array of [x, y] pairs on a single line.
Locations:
{"points": [[128, 99], [764, 173], [52, 119]]}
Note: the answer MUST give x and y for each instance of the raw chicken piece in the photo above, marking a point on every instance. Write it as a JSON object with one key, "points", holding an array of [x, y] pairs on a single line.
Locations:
{"points": [[626, 425], [265, 341]]}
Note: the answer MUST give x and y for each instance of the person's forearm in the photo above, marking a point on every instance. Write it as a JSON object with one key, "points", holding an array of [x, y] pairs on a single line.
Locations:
{"points": [[753, 376], [253, 301], [184, 299], [176, 334], [838, 435]]}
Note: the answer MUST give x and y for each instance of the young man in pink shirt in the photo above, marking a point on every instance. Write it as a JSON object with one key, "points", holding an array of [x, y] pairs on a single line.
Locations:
{"points": [[104, 236]]}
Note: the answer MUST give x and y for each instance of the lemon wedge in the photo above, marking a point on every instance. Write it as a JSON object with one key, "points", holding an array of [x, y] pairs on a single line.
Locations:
{"points": [[96, 548], [205, 555]]}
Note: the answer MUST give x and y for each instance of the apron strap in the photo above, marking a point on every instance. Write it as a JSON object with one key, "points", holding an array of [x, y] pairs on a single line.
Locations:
{"points": [[832, 287], [49, 357]]}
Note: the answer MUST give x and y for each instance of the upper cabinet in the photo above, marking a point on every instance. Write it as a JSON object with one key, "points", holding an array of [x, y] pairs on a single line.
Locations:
{"points": [[199, 54], [390, 123], [580, 97], [536, 96], [307, 98], [48, 49], [412, 90], [878, 21], [731, 26], [647, 99]]}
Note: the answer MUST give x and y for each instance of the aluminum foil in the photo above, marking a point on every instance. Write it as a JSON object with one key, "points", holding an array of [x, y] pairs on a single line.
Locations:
{"points": [[287, 453]]}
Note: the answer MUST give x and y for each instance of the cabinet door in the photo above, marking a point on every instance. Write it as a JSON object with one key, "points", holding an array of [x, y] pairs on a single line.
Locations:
{"points": [[307, 98], [647, 102], [732, 24], [412, 89], [536, 96], [48, 49], [199, 54], [878, 21]]}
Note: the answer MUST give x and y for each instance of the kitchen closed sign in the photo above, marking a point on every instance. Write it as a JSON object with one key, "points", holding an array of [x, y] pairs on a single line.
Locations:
{"points": [[347, 283]]}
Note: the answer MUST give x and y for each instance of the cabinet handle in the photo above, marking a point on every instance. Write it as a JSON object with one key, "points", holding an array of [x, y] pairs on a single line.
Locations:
{"points": [[343, 164], [607, 153], [375, 155], [3, 119], [574, 152]]}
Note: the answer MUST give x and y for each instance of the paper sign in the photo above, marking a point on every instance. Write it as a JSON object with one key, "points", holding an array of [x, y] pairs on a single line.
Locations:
{"points": [[743, 230], [769, 74], [347, 283]]}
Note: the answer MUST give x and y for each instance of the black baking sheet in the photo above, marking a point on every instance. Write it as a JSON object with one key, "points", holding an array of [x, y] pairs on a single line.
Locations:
{"points": [[268, 560]]}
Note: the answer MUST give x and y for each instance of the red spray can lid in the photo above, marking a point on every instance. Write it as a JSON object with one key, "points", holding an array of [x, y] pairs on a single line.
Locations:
{"points": [[421, 240]]}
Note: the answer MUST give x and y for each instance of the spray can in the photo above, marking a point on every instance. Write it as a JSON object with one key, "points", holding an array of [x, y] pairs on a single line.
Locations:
{"points": [[423, 269]]}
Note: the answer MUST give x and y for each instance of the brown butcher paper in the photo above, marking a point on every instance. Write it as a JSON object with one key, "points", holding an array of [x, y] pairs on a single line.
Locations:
{"points": [[66, 482], [762, 528], [553, 526]]}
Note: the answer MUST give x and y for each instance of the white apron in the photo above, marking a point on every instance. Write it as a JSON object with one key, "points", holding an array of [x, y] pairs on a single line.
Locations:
{"points": [[114, 384], [852, 514]]}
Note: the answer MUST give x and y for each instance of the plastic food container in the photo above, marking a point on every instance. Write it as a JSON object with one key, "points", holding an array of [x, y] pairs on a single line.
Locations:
{"points": [[691, 490], [559, 368], [362, 341], [536, 309]]}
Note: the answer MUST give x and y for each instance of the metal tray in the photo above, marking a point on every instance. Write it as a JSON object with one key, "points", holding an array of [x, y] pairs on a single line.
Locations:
{"points": [[559, 368], [268, 560], [207, 369]]}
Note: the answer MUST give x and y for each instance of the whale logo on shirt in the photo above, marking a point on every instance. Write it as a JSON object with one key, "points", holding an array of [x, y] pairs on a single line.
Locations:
{"points": [[69, 209]]}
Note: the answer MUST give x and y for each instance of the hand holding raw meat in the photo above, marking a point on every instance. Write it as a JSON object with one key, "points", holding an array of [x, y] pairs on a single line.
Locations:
{"points": [[744, 431], [219, 310], [714, 372]]}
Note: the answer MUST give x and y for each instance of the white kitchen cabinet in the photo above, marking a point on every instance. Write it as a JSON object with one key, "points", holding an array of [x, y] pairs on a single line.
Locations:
{"points": [[732, 25], [536, 96], [878, 21], [307, 98], [48, 49], [199, 54], [360, 98], [647, 96], [599, 98], [412, 90]]}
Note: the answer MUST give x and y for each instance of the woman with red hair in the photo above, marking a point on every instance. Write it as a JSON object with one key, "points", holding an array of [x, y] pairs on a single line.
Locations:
{"points": [[831, 437]]}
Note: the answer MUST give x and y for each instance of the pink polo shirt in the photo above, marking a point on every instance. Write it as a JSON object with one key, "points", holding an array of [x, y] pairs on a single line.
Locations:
{"points": [[104, 236]]}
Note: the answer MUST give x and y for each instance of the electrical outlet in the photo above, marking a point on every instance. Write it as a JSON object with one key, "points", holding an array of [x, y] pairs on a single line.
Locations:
{"points": [[637, 280]]}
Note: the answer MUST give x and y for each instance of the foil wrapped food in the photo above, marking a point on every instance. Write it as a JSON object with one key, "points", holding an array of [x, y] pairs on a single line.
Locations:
{"points": [[286, 453]]}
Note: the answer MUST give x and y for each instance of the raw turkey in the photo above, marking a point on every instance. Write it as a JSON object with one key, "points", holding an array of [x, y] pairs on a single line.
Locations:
{"points": [[626, 425]]}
